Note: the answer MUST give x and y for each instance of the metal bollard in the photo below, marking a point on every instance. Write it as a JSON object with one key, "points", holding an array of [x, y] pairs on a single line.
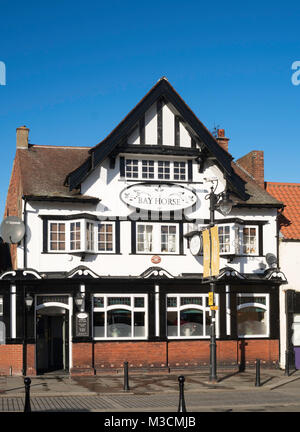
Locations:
{"points": [[27, 407], [257, 382], [287, 364], [181, 406], [126, 384]]}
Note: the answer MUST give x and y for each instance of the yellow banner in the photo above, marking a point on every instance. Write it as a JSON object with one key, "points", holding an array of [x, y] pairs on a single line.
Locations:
{"points": [[215, 253], [206, 253]]}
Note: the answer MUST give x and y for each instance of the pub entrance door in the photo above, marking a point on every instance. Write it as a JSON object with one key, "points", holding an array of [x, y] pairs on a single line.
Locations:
{"points": [[52, 339]]}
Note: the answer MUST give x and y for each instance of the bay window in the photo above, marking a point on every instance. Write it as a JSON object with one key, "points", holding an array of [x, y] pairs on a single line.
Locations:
{"points": [[118, 316], [81, 236]]}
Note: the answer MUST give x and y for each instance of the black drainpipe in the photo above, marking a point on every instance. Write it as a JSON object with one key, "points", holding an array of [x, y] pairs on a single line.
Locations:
{"points": [[24, 240]]}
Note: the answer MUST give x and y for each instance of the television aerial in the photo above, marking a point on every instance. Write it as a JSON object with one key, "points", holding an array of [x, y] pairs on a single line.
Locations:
{"points": [[271, 260], [12, 230]]}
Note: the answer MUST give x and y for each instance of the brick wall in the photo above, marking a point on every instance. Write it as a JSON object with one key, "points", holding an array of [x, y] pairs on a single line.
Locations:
{"points": [[13, 205], [146, 355], [173, 354], [11, 359], [253, 163]]}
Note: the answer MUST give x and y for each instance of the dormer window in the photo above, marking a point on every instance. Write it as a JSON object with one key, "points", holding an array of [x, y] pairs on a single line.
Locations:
{"points": [[81, 236], [149, 169]]}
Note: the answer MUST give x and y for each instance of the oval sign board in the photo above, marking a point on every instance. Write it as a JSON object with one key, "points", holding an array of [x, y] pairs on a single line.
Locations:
{"points": [[196, 244], [158, 197]]}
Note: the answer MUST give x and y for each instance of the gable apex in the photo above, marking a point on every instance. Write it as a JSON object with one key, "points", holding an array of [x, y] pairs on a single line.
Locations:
{"points": [[161, 91]]}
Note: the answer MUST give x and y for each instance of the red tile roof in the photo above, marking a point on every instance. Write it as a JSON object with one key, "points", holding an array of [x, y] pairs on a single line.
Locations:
{"points": [[289, 194]]}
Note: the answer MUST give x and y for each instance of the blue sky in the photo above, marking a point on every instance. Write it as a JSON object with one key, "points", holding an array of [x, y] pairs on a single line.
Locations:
{"points": [[75, 69]]}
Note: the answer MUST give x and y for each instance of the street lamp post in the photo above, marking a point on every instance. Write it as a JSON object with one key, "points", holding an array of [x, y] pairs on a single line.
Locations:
{"points": [[223, 203], [28, 300]]}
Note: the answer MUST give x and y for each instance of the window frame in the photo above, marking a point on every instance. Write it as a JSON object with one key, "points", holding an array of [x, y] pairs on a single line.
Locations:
{"points": [[132, 308], [157, 238], [266, 307], [156, 175], [84, 222], [242, 243], [204, 308], [113, 233]]}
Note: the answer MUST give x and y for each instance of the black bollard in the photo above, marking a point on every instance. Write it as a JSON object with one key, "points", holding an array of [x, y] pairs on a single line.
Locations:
{"points": [[27, 407], [126, 385], [287, 364], [257, 382], [181, 406]]}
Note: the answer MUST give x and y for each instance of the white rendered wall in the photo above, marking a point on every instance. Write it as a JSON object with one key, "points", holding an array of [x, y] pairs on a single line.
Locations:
{"points": [[289, 253], [106, 184]]}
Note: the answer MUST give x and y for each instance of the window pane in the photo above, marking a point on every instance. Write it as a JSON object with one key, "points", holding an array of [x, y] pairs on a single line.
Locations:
{"points": [[191, 322], [251, 321], [139, 324], [98, 324], [119, 323], [118, 301], [139, 302], [105, 237], [131, 168], [171, 301], [99, 302], [57, 236], [190, 300], [172, 324], [168, 238], [144, 238]]}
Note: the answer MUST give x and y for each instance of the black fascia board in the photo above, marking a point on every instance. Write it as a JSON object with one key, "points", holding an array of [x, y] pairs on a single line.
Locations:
{"points": [[89, 200], [161, 90]]}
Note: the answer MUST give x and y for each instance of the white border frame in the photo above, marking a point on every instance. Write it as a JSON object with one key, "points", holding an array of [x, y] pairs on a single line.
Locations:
{"points": [[266, 307], [68, 306], [131, 308], [203, 308], [156, 238]]}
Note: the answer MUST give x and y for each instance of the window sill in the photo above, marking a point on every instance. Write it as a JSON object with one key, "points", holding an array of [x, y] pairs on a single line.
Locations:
{"points": [[188, 337], [157, 253], [118, 339], [254, 337], [79, 253], [153, 181]]}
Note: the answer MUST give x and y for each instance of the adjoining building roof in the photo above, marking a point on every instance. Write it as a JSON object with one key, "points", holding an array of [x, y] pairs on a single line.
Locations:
{"points": [[289, 194], [43, 170], [257, 194]]}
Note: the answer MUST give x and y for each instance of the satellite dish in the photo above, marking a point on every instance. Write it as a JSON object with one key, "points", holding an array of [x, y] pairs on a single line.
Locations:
{"points": [[271, 260], [12, 229]]}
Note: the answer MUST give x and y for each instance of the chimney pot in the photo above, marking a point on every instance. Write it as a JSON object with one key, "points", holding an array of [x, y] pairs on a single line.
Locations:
{"points": [[221, 139], [22, 137]]}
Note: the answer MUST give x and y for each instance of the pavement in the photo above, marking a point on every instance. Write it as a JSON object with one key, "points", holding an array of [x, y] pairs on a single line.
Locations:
{"points": [[64, 385], [234, 391]]}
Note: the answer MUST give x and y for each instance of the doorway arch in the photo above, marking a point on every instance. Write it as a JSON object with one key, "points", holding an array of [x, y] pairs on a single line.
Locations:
{"points": [[53, 336]]}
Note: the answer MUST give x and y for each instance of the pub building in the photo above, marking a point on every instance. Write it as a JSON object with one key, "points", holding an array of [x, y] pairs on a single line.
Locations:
{"points": [[110, 265]]}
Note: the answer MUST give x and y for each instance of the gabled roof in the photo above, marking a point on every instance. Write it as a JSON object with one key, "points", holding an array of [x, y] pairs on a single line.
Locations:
{"points": [[162, 89], [43, 170], [289, 194]]}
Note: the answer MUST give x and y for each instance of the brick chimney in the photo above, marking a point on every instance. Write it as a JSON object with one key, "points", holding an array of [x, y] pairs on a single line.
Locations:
{"points": [[221, 139], [22, 137], [253, 163]]}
